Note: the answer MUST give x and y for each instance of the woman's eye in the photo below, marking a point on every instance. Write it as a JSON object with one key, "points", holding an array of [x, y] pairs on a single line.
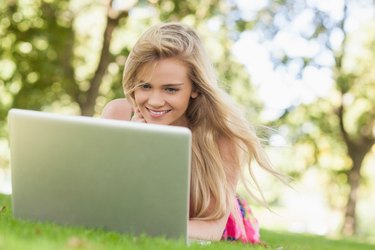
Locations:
{"points": [[145, 86], [171, 90]]}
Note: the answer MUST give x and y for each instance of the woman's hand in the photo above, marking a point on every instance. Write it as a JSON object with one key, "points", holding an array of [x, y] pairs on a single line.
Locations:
{"points": [[137, 116]]}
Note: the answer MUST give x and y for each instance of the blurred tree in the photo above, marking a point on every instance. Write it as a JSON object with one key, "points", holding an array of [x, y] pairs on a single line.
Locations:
{"points": [[44, 53], [40, 41], [338, 132]]}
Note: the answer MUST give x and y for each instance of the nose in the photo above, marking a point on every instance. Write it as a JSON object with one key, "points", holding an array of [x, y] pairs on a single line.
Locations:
{"points": [[156, 99]]}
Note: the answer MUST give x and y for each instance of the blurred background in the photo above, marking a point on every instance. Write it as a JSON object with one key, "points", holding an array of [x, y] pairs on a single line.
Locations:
{"points": [[303, 71]]}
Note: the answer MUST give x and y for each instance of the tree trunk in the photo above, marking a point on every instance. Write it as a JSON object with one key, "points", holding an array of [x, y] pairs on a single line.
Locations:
{"points": [[350, 223], [87, 105], [357, 152]]}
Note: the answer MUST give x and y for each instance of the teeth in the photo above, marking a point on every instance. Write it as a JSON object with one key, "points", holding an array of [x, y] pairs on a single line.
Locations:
{"points": [[158, 112]]}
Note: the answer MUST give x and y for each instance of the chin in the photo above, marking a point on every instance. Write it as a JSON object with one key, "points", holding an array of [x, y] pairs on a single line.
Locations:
{"points": [[157, 122]]}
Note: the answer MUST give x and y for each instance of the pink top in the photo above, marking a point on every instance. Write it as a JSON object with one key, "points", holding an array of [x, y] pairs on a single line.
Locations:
{"points": [[246, 229]]}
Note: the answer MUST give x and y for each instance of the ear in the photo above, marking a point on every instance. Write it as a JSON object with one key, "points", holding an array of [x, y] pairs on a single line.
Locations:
{"points": [[194, 94]]}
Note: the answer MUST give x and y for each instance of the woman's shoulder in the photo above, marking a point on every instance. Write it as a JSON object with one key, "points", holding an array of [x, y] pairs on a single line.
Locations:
{"points": [[118, 109]]}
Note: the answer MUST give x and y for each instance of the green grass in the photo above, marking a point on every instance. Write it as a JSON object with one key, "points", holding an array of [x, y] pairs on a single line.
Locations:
{"points": [[18, 234]]}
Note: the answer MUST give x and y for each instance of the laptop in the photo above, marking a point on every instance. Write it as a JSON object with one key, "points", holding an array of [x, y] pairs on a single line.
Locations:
{"points": [[120, 176]]}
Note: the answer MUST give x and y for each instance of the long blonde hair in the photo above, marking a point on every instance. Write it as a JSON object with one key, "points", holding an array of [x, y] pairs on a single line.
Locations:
{"points": [[211, 116]]}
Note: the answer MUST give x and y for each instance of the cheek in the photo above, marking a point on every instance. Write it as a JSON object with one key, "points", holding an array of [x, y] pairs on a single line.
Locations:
{"points": [[182, 101], [139, 97]]}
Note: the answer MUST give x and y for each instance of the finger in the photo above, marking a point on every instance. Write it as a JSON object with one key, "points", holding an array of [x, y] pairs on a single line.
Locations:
{"points": [[137, 116]]}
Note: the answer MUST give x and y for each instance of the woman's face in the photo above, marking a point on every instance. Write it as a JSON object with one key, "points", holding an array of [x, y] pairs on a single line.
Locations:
{"points": [[164, 93]]}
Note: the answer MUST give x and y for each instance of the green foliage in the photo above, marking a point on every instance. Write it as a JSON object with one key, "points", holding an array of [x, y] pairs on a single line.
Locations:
{"points": [[39, 42], [47, 57], [336, 132]]}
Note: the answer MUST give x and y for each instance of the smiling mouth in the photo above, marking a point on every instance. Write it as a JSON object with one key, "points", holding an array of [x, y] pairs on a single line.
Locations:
{"points": [[157, 113]]}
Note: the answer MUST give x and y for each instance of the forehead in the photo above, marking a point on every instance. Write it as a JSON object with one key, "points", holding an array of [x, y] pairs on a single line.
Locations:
{"points": [[167, 70]]}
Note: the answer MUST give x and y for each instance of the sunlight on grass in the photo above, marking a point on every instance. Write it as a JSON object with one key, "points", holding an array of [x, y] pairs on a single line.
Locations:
{"points": [[17, 234]]}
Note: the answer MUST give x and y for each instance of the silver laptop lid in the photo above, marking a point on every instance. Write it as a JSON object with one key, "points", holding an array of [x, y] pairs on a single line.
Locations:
{"points": [[116, 175]]}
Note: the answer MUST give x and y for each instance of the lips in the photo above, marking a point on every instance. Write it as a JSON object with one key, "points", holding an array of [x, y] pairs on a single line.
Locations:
{"points": [[157, 113]]}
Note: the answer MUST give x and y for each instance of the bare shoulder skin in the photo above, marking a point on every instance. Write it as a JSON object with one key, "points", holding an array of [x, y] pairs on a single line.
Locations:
{"points": [[118, 109]]}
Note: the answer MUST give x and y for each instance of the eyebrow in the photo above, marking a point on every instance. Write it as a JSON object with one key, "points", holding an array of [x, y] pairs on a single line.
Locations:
{"points": [[167, 84], [173, 84]]}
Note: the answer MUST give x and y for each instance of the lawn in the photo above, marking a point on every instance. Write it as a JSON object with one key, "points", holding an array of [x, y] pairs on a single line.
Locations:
{"points": [[17, 234]]}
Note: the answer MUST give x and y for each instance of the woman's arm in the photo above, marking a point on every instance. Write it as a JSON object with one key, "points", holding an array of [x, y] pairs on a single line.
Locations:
{"points": [[207, 230], [213, 230]]}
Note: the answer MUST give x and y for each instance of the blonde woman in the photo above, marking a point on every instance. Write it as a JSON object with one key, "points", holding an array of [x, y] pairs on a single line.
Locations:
{"points": [[168, 79]]}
